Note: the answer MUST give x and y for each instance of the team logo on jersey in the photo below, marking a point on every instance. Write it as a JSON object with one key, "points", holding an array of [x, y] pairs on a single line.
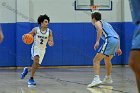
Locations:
{"points": [[42, 37]]}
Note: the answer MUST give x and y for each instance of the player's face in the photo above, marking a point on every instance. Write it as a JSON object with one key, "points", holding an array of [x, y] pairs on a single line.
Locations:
{"points": [[45, 23]]}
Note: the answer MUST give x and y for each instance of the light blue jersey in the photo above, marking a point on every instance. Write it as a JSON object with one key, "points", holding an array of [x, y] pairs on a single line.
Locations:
{"points": [[111, 40], [135, 10], [108, 31], [136, 38]]}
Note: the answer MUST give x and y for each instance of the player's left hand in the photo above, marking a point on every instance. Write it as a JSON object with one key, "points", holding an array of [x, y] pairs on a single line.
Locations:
{"points": [[51, 43], [119, 52], [96, 45]]}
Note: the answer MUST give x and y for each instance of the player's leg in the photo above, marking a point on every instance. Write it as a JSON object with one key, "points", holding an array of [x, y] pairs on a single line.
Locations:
{"points": [[37, 61], [108, 66], [108, 48], [134, 63], [24, 72], [110, 51], [134, 59], [35, 65], [96, 61], [35, 52], [27, 69]]}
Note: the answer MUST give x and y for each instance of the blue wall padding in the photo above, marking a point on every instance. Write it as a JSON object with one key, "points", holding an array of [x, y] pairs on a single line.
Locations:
{"points": [[7, 47], [73, 44], [23, 53], [126, 40]]}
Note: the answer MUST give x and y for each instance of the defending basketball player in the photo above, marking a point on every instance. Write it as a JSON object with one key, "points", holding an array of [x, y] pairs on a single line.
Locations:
{"points": [[42, 36], [1, 34], [106, 51], [134, 59]]}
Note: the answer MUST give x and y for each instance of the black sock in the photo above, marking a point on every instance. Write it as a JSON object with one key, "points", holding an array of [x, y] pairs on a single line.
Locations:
{"points": [[31, 78]]}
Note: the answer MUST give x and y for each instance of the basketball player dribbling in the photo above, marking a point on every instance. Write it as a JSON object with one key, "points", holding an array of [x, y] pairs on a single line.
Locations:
{"points": [[42, 36]]}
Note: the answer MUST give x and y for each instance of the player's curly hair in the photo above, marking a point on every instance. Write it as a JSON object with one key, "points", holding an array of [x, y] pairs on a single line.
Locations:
{"points": [[41, 18], [96, 15]]}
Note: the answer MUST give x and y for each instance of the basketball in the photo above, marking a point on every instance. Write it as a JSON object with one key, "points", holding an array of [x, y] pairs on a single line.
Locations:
{"points": [[27, 38]]}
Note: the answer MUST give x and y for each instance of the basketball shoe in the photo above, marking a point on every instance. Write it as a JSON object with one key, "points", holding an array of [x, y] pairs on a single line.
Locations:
{"points": [[107, 80], [96, 81]]}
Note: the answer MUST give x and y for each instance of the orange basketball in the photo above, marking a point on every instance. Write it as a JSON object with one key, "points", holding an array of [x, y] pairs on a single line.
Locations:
{"points": [[27, 38]]}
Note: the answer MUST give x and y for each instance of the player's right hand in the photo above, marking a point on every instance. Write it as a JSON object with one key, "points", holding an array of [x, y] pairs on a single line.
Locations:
{"points": [[96, 45]]}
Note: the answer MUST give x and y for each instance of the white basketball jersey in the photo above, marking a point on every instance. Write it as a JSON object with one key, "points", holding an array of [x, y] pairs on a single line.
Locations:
{"points": [[41, 38]]}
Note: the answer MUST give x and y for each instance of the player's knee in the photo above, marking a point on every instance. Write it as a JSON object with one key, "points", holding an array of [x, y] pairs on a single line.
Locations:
{"points": [[36, 65], [107, 60], [96, 62], [36, 59]]}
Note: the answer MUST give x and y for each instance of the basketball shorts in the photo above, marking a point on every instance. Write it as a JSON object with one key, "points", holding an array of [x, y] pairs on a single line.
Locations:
{"points": [[35, 51], [110, 46], [136, 38]]}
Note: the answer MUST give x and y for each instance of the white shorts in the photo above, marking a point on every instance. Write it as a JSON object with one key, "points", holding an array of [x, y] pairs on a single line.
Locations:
{"points": [[35, 51]]}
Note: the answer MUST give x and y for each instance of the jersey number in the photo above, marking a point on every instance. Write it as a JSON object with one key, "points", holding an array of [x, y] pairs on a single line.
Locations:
{"points": [[41, 41]]}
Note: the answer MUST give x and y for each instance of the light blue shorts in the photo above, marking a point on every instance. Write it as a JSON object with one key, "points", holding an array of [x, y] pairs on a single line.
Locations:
{"points": [[110, 46], [136, 38]]}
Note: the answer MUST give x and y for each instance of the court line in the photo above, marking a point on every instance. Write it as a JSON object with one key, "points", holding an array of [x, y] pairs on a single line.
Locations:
{"points": [[79, 83]]}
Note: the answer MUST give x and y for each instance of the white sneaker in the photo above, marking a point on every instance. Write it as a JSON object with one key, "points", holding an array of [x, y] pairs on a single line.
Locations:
{"points": [[96, 81], [107, 80]]}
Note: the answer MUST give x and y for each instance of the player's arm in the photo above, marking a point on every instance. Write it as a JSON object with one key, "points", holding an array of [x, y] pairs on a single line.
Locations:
{"points": [[119, 42], [119, 52], [50, 41], [33, 32], [1, 35], [99, 29]]}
